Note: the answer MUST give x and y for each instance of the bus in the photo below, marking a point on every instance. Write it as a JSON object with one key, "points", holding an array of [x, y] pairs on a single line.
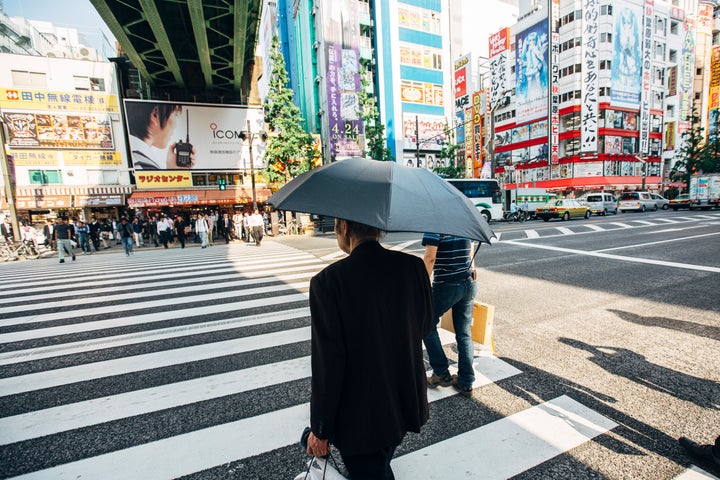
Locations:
{"points": [[485, 194]]}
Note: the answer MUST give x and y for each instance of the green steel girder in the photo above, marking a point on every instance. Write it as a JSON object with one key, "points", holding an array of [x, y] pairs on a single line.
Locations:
{"points": [[195, 45]]}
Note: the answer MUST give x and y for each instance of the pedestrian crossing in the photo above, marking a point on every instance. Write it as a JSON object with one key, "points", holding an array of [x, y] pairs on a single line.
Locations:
{"points": [[196, 364]]}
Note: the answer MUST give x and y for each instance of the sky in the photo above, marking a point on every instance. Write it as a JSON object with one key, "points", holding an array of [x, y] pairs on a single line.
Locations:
{"points": [[79, 14], [485, 17]]}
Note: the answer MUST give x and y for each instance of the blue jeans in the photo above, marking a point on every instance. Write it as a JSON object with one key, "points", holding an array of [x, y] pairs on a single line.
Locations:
{"points": [[83, 242], [461, 298], [128, 244]]}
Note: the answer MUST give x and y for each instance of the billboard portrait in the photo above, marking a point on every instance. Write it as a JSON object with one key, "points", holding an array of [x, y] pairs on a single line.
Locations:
{"points": [[626, 73], [531, 65], [176, 136], [432, 130]]}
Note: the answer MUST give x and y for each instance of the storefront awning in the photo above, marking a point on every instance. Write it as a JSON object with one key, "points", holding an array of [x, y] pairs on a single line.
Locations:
{"points": [[591, 183], [167, 198]]}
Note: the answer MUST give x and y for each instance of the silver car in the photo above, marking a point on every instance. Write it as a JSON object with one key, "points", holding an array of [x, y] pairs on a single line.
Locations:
{"points": [[637, 202], [660, 201]]}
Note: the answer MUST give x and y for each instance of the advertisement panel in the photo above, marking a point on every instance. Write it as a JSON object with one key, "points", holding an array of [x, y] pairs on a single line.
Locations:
{"points": [[714, 97], [174, 136], [342, 77], [431, 129], [58, 130], [688, 69], [531, 66], [554, 132], [499, 64], [626, 68], [588, 169], [591, 71], [164, 179], [646, 76], [462, 96], [58, 101]]}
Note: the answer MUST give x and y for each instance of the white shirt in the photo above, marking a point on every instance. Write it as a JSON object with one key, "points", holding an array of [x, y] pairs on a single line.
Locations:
{"points": [[256, 220], [145, 153], [163, 224], [201, 225]]}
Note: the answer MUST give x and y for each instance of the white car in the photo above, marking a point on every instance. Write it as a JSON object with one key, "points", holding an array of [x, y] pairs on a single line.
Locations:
{"points": [[637, 202], [600, 203], [660, 201]]}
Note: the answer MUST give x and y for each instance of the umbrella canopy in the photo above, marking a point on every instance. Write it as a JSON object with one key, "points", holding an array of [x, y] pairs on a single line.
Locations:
{"points": [[385, 195]]}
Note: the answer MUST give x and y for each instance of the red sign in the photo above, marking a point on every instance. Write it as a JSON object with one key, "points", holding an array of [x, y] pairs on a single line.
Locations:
{"points": [[460, 82], [499, 42]]}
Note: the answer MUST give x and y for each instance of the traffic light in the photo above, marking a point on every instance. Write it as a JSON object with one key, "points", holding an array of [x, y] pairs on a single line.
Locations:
{"points": [[222, 184]]}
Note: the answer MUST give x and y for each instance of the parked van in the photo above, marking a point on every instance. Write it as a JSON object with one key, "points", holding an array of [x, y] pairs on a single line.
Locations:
{"points": [[600, 203], [637, 201]]}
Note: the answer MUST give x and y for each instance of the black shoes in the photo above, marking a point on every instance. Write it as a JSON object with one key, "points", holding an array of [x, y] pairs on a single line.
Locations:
{"points": [[62, 261], [700, 452], [73, 257], [464, 390]]}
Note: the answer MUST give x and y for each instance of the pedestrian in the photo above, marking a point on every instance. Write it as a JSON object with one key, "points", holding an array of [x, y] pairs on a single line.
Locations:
{"points": [[116, 231], [94, 229], [152, 229], [225, 227], [211, 227], [28, 235], [709, 454], [83, 234], [237, 223], [256, 223], [106, 234], [163, 227], [246, 226], [201, 227], [125, 230], [369, 314], [138, 229], [64, 233], [7, 230], [448, 260], [179, 226]]}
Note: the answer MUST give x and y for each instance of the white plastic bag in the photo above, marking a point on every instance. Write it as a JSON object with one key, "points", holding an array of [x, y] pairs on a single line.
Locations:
{"points": [[320, 469]]}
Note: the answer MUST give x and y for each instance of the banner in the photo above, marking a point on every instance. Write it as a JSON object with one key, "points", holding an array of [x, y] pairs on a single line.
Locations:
{"points": [[591, 71], [646, 76], [166, 179], [342, 77], [499, 65], [531, 67], [554, 132], [431, 129], [58, 130], [462, 95], [172, 136], [688, 70], [58, 101], [626, 72]]}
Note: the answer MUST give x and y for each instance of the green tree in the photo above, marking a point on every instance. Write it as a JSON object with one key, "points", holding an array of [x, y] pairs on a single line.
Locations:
{"points": [[289, 150], [449, 151], [695, 154], [374, 129]]}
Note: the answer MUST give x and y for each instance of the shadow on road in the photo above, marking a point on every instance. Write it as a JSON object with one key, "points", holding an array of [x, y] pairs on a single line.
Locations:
{"points": [[700, 330]]}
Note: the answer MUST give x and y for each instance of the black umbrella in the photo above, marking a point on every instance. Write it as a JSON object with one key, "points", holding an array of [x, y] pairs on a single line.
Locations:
{"points": [[385, 195]]}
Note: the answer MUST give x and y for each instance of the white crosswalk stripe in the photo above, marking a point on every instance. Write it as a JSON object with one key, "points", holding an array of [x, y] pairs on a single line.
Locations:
{"points": [[115, 368]]}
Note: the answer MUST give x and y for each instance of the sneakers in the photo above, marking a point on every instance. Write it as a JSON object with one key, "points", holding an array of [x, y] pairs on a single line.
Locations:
{"points": [[62, 261], [73, 257], [444, 380], [700, 452]]}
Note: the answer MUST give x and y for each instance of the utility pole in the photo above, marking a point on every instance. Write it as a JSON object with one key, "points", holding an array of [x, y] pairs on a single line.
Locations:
{"points": [[417, 142], [643, 167], [252, 166], [9, 186]]}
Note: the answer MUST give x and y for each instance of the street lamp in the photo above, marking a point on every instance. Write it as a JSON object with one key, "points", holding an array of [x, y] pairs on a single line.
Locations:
{"points": [[250, 137]]}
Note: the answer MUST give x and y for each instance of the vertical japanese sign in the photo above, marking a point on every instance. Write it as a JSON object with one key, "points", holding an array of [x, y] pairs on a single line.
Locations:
{"points": [[478, 114], [469, 151], [704, 31], [499, 44], [554, 130], [462, 97], [626, 72], [714, 100], [343, 77], [531, 67], [591, 70], [688, 68], [646, 76]]}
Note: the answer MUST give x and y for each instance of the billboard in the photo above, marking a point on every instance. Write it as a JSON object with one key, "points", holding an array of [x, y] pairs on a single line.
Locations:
{"points": [[626, 72], [591, 74], [174, 136], [342, 77], [531, 67], [499, 65], [647, 46], [29, 129], [431, 130]]}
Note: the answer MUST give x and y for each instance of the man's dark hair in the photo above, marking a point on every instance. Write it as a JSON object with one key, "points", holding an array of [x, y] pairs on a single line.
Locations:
{"points": [[139, 116], [361, 230]]}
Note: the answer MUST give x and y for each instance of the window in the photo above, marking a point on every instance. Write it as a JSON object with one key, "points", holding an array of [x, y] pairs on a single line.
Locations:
{"points": [[660, 26], [606, 37], [606, 10], [659, 51], [673, 27], [659, 76], [698, 72], [24, 78], [670, 110], [199, 179], [570, 122], [604, 91], [605, 65], [44, 177], [673, 56]]}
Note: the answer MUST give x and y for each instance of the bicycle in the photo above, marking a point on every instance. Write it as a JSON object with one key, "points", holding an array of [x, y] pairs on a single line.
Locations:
{"points": [[518, 216], [291, 228], [18, 251]]}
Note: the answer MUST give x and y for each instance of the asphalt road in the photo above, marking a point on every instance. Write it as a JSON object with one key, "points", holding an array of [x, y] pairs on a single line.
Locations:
{"points": [[194, 363]]}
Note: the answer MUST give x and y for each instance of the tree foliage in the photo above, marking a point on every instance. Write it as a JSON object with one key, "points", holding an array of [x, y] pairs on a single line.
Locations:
{"points": [[289, 150], [695, 154], [375, 140], [449, 151]]}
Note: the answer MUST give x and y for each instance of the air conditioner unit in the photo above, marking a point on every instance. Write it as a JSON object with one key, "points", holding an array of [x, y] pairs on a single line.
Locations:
{"points": [[58, 51], [85, 53]]}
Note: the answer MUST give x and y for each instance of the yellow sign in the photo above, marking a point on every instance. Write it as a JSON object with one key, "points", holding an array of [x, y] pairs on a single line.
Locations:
{"points": [[92, 158], [164, 179], [58, 100], [33, 158]]}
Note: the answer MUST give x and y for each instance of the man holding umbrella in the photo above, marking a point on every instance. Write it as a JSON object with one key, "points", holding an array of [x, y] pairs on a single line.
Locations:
{"points": [[370, 312]]}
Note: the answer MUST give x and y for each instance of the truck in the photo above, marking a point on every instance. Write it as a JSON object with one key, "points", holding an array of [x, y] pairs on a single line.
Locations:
{"points": [[535, 197], [704, 191]]}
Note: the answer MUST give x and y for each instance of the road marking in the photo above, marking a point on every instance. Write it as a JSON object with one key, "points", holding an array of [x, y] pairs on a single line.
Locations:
{"points": [[402, 246], [509, 446], [663, 263], [645, 222], [695, 473], [621, 225], [565, 230], [333, 256], [532, 234], [659, 241], [597, 228]]}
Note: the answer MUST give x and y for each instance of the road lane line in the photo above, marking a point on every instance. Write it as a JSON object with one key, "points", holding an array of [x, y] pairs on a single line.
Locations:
{"points": [[662, 263], [532, 234], [695, 473], [565, 230], [509, 446], [597, 228], [403, 245], [621, 225], [660, 241]]}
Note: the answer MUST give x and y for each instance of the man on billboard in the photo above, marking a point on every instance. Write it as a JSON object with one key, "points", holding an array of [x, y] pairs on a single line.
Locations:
{"points": [[152, 129]]}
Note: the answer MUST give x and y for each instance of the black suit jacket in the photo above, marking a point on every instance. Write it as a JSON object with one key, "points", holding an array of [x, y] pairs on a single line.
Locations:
{"points": [[370, 312]]}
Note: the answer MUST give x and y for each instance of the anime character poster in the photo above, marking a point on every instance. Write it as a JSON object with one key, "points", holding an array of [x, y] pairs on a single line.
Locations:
{"points": [[531, 65], [626, 73]]}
